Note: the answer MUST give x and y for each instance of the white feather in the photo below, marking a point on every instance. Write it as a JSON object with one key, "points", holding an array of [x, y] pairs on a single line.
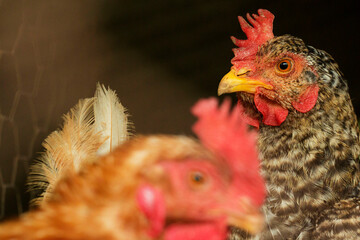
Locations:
{"points": [[111, 119]]}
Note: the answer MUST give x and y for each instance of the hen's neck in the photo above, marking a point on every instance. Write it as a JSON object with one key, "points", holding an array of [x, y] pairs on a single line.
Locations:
{"points": [[312, 157]]}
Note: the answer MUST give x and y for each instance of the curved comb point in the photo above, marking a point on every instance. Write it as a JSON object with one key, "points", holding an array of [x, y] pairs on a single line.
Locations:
{"points": [[261, 29], [257, 34]]}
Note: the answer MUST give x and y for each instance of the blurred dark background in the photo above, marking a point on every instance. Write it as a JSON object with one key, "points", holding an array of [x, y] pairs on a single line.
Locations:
{"points": [[159, 56]]}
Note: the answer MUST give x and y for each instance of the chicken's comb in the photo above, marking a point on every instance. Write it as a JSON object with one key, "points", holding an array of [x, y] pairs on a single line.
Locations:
{"points": [[226, 134], [258, 34]]}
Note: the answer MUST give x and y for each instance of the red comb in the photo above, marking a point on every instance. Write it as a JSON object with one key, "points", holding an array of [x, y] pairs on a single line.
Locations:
{"points": [[226, 134], [258, 34]]}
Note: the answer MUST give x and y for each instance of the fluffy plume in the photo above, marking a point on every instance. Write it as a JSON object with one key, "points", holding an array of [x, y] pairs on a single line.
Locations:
{"points": [[94, 126], [111, 119], [66, 149]]}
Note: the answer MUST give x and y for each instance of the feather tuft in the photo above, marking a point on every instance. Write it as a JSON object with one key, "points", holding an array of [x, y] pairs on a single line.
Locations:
{"points": [[67, 149], [93, 127], [111, 119]]}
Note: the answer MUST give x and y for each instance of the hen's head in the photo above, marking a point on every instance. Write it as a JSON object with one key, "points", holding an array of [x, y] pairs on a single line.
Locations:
{"points": [[196, 190], [277, 76]]}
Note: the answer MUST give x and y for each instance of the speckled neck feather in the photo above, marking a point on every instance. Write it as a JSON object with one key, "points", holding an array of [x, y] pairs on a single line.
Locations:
{"points": [[309, 162]]}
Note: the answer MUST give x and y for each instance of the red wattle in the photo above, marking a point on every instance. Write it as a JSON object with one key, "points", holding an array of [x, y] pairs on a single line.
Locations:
{"points": [[152, 204], [273, 113], [307, 99], [246, 117], [208, 231]]}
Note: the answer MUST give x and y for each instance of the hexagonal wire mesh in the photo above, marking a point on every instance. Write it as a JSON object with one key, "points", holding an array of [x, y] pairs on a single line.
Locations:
{"points": [[24, 113], [34, 73]]}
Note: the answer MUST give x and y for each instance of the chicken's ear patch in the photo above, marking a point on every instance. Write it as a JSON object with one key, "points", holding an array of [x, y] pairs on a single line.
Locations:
{"points": [[307, 99], [152, 204], [273, 113]]}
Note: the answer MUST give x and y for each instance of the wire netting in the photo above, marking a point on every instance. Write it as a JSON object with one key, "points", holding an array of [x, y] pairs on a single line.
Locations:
{"points": [[37, 40], [26, 59]]}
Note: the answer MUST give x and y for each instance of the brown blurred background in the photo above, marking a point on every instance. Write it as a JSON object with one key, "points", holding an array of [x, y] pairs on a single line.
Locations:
{"points": [[159, 56]]}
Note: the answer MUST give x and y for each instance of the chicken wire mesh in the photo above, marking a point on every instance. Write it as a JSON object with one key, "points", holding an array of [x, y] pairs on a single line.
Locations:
{"points": [[26, 59], [34, 85]]}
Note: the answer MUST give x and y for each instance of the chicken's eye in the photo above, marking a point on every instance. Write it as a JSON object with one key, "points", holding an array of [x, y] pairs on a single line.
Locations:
{"points": [[284, 66], [197, 178]]}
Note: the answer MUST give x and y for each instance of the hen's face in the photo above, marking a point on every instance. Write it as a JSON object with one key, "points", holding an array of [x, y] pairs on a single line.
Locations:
{"points": [[196, 193], [281, 79], [204, 191]]}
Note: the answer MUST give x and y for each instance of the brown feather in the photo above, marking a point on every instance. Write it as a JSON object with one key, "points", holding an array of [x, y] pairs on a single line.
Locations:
{"points": [[66, 150], [95, 125]]}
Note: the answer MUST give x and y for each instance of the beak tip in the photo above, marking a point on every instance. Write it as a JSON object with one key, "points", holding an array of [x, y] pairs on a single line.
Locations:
{"points": [[223, 87], [252, 226], [220, 92]]}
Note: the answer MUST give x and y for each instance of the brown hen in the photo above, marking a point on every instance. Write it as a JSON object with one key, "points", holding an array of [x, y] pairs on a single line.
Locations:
{"points": [[150, 187]]}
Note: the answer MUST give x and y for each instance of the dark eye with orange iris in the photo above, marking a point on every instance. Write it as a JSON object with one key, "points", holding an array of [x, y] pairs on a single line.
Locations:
{"points": [[197, 178], [284, 66]]}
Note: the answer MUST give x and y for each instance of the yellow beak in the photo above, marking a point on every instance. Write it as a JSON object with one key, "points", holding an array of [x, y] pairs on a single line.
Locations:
{"points": [[242, 214], [238, 81], [252, 223], [251, 220]]}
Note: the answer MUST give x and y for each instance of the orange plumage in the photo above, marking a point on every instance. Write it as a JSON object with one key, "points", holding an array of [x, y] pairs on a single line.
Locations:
{"points": [[156, 187]]}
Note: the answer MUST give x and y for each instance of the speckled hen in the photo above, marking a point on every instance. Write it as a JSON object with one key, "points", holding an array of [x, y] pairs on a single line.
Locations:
{"points": [[308, 140]]}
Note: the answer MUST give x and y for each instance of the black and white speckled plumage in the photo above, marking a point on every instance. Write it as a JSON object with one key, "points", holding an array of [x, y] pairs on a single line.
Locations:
{"points": [[310, 161]]}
